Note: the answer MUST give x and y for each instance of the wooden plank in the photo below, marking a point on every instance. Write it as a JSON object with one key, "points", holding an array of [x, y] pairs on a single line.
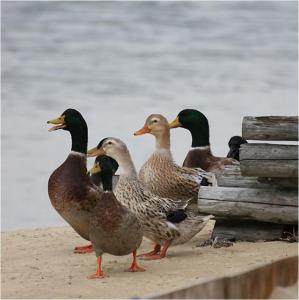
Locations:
{"points": [[257, 283], [268, 151], [249, 211], [282, 183], [269, 168], [231, 177], [249, 195], [240, 230], [270, 128]]}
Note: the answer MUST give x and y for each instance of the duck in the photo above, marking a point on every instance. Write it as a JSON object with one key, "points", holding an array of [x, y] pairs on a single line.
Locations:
{"points": [[164, 221], [234, 145], [160, 174], [113, 228], [96, 177], [70, 189], [200, 155]]}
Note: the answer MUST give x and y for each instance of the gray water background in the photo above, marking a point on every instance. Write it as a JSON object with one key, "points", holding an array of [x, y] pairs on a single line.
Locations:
{"points": [[118, 62]]}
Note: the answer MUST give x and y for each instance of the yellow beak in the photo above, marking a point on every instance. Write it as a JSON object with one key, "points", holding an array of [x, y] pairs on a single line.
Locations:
{"points": [[95, 169], [60, 121], [95, 152], [175, 123]]}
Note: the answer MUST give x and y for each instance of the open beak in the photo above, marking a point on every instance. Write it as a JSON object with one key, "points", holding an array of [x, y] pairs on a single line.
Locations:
{"points": [[60, 121], [142, 131], [175, 123], [95, 169], [95, 152]]}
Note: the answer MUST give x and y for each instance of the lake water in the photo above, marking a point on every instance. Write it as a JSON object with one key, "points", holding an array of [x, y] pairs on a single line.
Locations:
{"points": [[118, 62]]}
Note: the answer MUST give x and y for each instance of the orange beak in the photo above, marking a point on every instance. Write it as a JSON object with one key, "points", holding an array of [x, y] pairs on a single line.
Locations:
{"points": [[95, 152], [142, 131]]}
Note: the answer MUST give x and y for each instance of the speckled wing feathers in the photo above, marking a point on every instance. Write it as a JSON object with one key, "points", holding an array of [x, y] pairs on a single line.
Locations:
{"points": [[150, 211]]}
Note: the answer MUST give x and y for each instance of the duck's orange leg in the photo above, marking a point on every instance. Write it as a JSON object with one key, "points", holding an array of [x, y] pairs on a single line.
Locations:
{"points": [[83, 249], [156, 250], [134, 267], [162, 253], [99, 273]]}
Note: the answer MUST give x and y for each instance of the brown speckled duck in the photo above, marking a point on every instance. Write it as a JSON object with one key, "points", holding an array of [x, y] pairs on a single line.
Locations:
{"points": [[114, 229], [200, 155], [163, 220], [160, 174], [70, 189]]}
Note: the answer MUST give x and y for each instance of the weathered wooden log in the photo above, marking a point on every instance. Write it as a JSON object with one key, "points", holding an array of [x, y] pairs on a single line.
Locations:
{"points": [[282, 183], [257, 283], [231, 177], [270, 168], [240, 230], [252, 204], [250, 195], [273, 128], [254, 151]]}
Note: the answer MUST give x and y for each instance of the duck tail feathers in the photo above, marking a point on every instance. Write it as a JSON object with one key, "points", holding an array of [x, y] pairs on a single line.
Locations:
{"points": [[208, 179]]}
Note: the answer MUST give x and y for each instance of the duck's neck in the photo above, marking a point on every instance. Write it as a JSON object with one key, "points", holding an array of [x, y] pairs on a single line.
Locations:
{"points": [[96, 179], [107, 182], [163, 140], [79, 139], [126, 164], [200, 136]]}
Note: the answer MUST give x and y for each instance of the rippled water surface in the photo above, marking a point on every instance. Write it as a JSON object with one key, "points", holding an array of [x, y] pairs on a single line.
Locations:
{"points": [[117, 63]]}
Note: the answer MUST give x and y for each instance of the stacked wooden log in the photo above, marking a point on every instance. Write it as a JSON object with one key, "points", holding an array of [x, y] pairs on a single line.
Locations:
{"points": [[254, 200]]}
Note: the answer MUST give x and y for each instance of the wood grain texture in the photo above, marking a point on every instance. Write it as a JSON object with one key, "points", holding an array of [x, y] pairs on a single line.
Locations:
{"points": [[249, 211], [249, 195], [254, 151], [231, 177], [257, 283], [240, 230], [270, 128], [269, 168], [281, 183]]}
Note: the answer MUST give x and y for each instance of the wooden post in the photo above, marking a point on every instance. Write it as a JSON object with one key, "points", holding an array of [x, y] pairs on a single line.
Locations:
{"points": [[249, 203], [270, 128], [269, 160]]}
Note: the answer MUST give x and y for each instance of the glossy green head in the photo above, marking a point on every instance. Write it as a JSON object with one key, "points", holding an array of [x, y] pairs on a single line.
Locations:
{"points": [[72, 121], [198, 125], [104, 168]]}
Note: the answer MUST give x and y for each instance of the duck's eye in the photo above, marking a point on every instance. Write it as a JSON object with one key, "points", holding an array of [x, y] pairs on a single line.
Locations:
{"points": [[154, 121], [109, 143]]}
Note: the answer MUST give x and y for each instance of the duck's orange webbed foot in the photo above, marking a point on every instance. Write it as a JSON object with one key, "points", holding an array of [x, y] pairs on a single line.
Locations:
{"points": [[99, 274], [135, 267], [156, 250], [84, 249], [160, 255]]}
